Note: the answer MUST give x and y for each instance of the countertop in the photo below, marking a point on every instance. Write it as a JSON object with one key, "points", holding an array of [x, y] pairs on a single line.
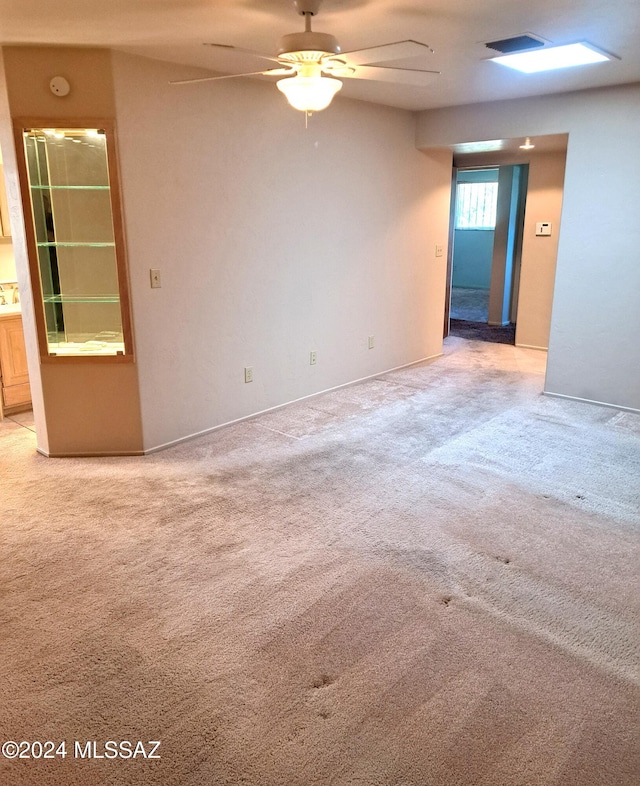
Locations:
{"points": [[10, 311]]}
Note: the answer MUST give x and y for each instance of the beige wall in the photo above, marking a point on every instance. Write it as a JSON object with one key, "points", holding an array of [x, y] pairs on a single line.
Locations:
{"points": [[594, 344], [539, 254], [29, 70], [87, 407], [7, 261], [273, 240], [20, 259]]}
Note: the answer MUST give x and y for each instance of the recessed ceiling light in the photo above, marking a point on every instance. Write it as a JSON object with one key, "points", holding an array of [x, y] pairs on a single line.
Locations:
{"points": [[488, 146], [527, 145], [552, 57]]}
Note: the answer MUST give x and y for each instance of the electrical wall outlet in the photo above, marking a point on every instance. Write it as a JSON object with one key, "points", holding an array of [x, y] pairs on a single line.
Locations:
{"points": [[439, 251], [313, 357], [370, 342], [154, 274], [248, 374]]}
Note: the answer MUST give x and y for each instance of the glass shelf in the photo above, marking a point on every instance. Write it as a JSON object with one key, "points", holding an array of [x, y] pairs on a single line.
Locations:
{"points": [[69, 188], [76, 245], [81, 299], [97, 348]]}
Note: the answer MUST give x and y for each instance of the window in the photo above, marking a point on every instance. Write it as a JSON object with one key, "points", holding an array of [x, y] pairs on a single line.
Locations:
{"points": [[476, 205]]}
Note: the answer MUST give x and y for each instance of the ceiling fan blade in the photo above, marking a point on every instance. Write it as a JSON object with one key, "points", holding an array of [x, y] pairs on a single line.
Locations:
{"points": [[338, 69], [240, 51], [406, 76], [268, 72], [400, 50]]}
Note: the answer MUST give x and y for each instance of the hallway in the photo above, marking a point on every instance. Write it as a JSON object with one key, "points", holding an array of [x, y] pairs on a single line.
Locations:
{"points": [[471, 305]]}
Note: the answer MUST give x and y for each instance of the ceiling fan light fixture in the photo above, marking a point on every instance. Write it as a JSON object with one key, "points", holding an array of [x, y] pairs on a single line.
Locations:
{"points": [[307, 45], [309, 91], [313, 64]]}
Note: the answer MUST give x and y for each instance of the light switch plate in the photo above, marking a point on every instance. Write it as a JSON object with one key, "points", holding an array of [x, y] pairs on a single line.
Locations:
{"points": [[154, 274]]}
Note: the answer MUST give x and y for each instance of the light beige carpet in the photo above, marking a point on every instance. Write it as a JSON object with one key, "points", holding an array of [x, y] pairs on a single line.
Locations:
{"points": [[429, 579]]}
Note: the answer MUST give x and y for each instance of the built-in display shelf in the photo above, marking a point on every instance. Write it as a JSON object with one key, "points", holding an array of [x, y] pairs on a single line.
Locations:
{"points": [[77, 268]]}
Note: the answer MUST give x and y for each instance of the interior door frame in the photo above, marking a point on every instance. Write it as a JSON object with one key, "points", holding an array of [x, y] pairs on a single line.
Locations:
{"points": [[452, 215], [518, 218]]}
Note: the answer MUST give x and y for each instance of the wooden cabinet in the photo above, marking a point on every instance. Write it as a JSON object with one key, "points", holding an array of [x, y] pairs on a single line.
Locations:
{"points": [[14, 376]]}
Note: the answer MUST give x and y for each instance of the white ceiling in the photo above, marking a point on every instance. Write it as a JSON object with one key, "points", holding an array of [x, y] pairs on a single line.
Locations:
{"points": [[175, 30]]}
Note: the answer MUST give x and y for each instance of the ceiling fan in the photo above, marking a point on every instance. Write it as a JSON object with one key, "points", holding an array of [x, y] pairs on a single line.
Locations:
{"points": [[311, 63]]}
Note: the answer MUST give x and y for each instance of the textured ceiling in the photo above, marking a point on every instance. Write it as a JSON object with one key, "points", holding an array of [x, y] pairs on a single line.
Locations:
{"points": [[175, 30]]}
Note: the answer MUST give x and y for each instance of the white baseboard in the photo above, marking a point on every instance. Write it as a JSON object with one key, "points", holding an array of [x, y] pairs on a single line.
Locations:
{"points": [[91, 454], [591, 401], [203, 433], [533, 346]]}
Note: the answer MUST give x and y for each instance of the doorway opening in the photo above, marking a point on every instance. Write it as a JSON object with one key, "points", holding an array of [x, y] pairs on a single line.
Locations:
{"points": [[15, 390], [487, 229]]}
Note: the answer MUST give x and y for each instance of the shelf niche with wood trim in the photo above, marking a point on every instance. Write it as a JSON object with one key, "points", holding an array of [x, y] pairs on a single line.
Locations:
{"points": [[76, 242]]}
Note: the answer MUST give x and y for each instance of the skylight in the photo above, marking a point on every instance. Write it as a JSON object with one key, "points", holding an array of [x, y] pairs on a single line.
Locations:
{"points": [[552, 57]]}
